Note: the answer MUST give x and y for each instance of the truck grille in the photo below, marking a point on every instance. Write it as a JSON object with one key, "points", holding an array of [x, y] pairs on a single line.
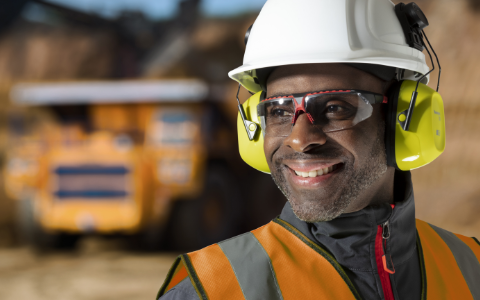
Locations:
{"points": [[91, 182]]}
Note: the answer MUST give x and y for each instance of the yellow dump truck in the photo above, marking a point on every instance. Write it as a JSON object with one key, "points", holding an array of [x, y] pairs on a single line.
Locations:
{"points": [[122, 157]]}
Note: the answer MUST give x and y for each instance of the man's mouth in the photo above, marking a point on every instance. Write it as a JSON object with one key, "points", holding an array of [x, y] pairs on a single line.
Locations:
{"points": [[315, 173], [312, 174]]}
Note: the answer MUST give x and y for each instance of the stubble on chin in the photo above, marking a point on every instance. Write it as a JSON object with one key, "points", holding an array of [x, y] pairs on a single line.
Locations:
{"points": [[311, 206]]}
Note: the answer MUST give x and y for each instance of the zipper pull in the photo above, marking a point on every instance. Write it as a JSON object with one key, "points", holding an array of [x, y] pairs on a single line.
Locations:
{"points": [[386, 258]]}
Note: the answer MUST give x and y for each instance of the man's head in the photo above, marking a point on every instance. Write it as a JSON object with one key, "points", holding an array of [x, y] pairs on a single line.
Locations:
{"points": [[355, 156]]}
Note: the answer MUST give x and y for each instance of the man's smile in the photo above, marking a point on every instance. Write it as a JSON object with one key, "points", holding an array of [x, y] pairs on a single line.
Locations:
{"points": [[306, 174]]}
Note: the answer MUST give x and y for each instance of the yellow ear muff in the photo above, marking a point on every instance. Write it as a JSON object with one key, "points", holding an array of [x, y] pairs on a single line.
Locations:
{"points": [[425, 139], [252, 151]]}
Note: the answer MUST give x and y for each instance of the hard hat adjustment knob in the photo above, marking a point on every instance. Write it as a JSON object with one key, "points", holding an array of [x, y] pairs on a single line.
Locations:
{"points": [[415, 15], [412, 20]]}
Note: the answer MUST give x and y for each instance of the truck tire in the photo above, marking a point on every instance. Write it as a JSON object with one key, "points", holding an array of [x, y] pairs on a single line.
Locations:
{"points": [[151, 239], [214, 216], [32, 233]]}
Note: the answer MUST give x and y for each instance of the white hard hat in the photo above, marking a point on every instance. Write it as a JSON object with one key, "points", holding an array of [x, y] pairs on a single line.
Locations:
{"points": [[289, 32]]}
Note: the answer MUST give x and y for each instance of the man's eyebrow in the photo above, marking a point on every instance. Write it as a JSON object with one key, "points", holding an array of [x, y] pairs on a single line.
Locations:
{"points": [[275, 95], [279, 95]]}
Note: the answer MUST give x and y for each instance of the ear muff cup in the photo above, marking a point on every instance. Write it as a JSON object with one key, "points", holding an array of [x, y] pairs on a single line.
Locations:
{"points": [[252, 151], [425, 139]]}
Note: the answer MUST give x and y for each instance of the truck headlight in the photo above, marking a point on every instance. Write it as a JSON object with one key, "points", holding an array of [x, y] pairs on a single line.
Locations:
{"points": [[123, 143], [19, 167], [174, 171]]}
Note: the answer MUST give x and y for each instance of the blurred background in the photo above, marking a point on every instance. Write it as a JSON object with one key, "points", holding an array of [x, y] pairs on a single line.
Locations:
{"points": [[118, 143]]}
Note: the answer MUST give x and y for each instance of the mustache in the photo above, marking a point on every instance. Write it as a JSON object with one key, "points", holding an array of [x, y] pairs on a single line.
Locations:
{"points": [[324, 154]]}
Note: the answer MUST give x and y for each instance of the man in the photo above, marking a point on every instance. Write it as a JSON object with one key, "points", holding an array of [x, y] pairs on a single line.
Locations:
{"points": [[329, 74]]}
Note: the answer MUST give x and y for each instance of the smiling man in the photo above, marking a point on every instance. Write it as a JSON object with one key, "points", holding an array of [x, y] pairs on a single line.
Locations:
{"points": [[324, 174], [340, 114]]}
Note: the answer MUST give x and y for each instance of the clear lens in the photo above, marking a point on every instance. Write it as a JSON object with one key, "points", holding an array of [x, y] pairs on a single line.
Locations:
{"points": [[278, 115], [327, 112], [333, 112]]}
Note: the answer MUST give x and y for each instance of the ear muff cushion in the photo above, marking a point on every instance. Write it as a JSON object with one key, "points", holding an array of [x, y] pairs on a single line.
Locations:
{"points": [[390, 122]]}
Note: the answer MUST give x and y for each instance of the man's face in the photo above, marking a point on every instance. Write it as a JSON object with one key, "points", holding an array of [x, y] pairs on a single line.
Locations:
{"points": [[355, 157]]}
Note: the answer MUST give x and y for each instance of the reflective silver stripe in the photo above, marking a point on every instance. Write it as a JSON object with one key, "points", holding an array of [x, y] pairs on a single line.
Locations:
{"points": [[465, 258], [253, 267]]}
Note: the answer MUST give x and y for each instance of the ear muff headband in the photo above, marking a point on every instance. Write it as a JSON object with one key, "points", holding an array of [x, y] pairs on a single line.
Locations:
{"points": [[406, 150]]}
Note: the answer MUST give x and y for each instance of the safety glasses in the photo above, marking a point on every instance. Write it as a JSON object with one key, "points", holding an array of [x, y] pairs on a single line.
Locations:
{"points": [[328, 111]]}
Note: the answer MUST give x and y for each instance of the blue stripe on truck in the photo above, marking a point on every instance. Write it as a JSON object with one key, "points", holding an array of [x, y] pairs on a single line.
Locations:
{"points": [[90, 194], [91, 170]]}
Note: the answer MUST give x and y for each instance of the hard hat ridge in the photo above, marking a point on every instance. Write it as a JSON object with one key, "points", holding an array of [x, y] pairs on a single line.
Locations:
{"points": [[320, 31]]}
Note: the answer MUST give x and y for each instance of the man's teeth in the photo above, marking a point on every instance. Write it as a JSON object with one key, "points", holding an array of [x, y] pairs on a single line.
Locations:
{"points": [[316, 173]]}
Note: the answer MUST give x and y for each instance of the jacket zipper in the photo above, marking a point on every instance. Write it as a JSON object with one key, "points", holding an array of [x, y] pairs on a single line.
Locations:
{"points": [[384, 260]]}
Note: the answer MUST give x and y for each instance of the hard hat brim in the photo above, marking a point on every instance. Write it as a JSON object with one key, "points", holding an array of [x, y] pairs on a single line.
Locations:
{"points": [[244, 74]]}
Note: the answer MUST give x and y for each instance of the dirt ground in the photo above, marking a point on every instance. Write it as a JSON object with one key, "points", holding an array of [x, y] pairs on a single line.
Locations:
{"points": [[100, 269], [97, 271]]}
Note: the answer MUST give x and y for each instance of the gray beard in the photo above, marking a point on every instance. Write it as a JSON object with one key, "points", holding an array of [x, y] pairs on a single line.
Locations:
{"points": [[307, 207]]}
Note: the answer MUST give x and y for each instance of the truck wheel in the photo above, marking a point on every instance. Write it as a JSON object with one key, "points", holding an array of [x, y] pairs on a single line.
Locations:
{"points": [[66, 241], [212, 217], [151, 239], [31, 232]]}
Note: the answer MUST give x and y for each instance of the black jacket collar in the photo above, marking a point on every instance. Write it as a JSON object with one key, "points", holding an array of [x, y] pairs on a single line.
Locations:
{"points": [[350, 238]]}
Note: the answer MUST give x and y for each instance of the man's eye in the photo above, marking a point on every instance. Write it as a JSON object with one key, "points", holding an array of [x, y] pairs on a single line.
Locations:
{"points": [[278, 112], [339, 111], [335, 109]]}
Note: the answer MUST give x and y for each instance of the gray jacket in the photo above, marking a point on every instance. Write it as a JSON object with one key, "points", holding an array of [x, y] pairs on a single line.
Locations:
{"points": [[351, 240]]}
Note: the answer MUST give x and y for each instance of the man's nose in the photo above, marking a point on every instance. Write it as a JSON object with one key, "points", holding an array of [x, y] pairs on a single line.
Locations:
{"points": [[305, 136]]}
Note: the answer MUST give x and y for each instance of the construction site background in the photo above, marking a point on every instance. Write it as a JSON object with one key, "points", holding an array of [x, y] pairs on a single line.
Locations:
{"points": [[447, 192]]}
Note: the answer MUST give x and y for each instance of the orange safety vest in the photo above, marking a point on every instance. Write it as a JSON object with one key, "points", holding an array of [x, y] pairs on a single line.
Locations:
{"points": [[277, 261]]}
